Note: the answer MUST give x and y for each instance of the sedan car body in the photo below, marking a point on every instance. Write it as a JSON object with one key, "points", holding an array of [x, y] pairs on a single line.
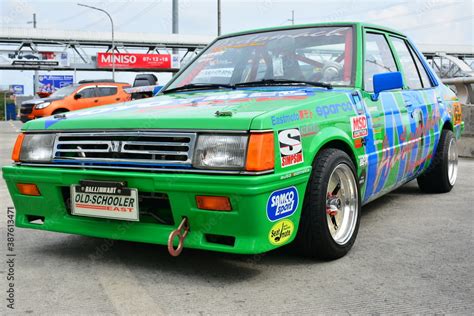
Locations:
{"points": [[268, 137]]}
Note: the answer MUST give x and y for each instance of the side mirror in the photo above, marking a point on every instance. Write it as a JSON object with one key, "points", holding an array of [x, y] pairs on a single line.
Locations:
{"points": [[77, 96], [386, 81]]}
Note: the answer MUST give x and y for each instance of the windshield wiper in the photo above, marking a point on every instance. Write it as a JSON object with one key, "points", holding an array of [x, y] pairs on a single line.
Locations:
{"points": [[269, 82], [199, 86]]}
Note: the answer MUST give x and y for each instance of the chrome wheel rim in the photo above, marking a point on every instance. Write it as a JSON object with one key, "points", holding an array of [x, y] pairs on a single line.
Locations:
{"points": [[452, 161], [342, 204]]}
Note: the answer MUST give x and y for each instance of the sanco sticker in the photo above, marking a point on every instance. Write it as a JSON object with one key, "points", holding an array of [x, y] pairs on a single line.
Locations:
{"points": [[291, 150], [281, 232], [282, 203]]}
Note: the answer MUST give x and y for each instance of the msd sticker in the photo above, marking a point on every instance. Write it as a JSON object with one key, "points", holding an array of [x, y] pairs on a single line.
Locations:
{"points": [[359, 126], [282, 203], [291, 150]]}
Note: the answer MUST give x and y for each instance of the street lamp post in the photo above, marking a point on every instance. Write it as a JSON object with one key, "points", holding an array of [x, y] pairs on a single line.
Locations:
{"points": [[113, 40]]}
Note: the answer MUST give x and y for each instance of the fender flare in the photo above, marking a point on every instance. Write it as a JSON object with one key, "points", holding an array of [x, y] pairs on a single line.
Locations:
{"points": [[328, 135]]}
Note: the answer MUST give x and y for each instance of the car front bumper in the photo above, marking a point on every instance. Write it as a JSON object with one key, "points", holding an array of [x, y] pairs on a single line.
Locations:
{"points": [[247, 224]]}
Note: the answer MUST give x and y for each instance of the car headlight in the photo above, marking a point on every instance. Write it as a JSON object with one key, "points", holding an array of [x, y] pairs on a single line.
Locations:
{"points": [[37, 148], [220, 151], [42, 105]]}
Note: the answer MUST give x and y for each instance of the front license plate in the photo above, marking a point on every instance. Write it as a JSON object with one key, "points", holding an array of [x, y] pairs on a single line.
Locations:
{"points": [[104, 199]]}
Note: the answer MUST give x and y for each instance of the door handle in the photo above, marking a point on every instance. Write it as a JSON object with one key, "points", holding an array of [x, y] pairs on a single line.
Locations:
{"points": [[96, 100], [117, 99]]}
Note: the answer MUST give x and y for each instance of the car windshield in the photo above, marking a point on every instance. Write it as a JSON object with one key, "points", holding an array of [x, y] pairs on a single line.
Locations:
{"points": [[317, 54], [64, 92]]}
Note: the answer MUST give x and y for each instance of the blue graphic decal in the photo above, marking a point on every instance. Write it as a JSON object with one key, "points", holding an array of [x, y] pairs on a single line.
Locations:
{"points": [[282, 203]]}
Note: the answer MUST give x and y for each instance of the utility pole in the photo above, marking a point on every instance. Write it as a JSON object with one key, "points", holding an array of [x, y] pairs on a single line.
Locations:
{"points": [[175, 21], [218, 17], [35, 77], [292, 17]]}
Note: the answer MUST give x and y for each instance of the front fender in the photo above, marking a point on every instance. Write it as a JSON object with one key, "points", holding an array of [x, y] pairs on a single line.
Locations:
{"points": [[328, 135]]}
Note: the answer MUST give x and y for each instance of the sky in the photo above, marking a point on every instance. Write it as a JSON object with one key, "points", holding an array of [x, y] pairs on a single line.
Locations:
{"points": [[425, 21]]}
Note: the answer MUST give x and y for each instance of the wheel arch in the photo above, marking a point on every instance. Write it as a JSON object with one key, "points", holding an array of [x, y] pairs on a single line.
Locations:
{"points": [[448, 125], [61, 110], [332, 137]]}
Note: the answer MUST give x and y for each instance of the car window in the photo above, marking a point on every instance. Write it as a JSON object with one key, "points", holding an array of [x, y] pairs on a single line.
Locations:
{"points": [[309, 54], [87, 92], [424, 76], [378, 58], [408, 64], [106, 91]]}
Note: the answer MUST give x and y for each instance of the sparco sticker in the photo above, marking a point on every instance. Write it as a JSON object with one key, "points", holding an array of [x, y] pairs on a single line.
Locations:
{"points": [[282, 203], [291, 150], [359, 126]]}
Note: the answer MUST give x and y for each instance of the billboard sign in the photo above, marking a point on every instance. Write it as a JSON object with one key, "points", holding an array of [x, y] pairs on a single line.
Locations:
{"points": [[17, 89], [31, 58], [51, 83], [138, 61]]}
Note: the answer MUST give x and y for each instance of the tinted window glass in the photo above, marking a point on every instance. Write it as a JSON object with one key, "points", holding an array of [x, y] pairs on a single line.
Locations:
{"points": [[106, 91], [409, 69], [378, 58], [424, 76], [88, 93]]}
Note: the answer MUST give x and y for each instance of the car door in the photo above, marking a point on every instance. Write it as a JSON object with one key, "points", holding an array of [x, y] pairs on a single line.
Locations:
{"points": [[107, 94], [421, 104], [88, 98], [386, 118]]}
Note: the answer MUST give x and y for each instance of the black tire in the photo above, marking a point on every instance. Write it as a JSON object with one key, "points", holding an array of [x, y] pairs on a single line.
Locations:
{"points": [[59, 111], [314, 239], [436, 177]]}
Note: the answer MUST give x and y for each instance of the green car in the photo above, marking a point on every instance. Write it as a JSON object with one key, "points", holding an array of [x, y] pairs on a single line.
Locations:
{"points": [[268, 137]]}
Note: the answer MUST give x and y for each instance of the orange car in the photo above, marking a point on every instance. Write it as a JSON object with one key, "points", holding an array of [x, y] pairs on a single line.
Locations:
{"points": [[75, 97]]}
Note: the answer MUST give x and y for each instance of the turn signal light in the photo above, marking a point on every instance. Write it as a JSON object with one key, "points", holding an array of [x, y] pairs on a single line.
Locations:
{"points": [[28, 189], [213, 203], [17, 147], [261, 152]]}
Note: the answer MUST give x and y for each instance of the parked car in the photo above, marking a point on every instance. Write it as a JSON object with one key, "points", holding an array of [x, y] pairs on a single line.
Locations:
{"points": [[85, 94], [266, 138]]}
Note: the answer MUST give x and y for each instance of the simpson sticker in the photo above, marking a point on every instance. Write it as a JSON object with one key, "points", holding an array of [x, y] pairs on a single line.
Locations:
{"points": [[291, 150], [281, 232], [282, 203], [359, 126]]}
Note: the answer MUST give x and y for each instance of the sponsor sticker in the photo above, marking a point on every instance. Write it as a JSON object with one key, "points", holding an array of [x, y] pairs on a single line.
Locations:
{"points": [[282, 203], [359, 126], [308, 130], [281, 232], [331, 109], [457, 118], [291, 150]]}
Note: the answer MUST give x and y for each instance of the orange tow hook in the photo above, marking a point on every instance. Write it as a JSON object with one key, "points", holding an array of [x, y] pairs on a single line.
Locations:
{"points": [[181, 232]]}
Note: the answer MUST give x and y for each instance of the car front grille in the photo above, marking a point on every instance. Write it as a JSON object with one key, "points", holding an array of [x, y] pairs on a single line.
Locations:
{"points": [[144, 149], [26, 109]]}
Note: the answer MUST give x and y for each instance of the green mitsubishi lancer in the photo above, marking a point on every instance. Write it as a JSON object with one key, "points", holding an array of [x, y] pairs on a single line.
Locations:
{"points": [[268, 137]]}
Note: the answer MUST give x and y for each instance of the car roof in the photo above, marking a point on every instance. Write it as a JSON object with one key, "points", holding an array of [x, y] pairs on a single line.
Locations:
{"points": [[329, 24], [108, 83]]}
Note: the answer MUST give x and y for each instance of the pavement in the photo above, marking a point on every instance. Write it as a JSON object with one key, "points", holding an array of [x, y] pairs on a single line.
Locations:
{"points": [[414, 254]]}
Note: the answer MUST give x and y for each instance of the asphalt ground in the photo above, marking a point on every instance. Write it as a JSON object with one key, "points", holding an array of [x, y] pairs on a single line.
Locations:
{"points": [[414, 254]]}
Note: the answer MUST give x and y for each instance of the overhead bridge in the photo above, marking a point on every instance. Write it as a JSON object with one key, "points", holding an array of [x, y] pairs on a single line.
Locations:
{"points": [[447, 60], [76, 44]]}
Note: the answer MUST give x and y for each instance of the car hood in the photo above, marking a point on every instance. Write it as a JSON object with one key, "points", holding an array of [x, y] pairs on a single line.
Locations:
{"points": [[217, 109], [38, 101]]}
